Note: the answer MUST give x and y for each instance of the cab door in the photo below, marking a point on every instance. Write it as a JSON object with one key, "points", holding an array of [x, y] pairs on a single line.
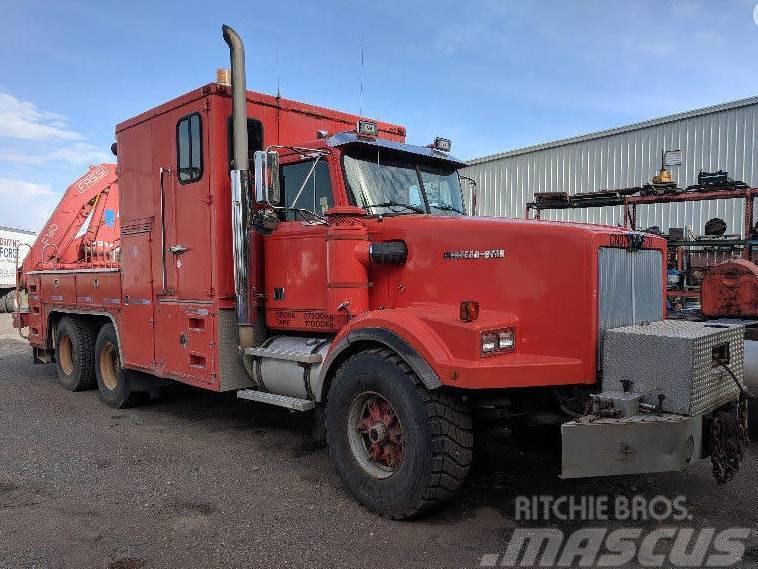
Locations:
{"points": [[295, 252], [189, 249], [184, 343]]}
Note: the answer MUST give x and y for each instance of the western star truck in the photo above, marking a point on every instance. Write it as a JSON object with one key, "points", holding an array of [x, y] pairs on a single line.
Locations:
{"points": [[311, 259]]}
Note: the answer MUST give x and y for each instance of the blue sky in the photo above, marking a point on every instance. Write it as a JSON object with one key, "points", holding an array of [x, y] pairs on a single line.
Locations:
{"points": [[491, 75]]}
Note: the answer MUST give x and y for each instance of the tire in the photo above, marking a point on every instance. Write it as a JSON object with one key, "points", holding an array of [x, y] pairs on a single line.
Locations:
{"points": [[2, 304], [113, 383], [425, 436], [10, 301], [75, 354]]}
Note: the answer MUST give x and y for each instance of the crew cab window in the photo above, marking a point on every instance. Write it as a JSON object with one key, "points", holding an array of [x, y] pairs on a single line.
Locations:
{"points": [[316, 195], [254, 139], [189, 148]]}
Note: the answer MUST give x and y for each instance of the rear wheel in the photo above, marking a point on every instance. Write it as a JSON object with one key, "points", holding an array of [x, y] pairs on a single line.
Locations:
{"points": [[74, 354], [112, 382], [399, 448]]}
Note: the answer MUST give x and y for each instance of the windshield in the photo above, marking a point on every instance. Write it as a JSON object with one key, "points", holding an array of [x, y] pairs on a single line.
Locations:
{"points": [[386, 182]]}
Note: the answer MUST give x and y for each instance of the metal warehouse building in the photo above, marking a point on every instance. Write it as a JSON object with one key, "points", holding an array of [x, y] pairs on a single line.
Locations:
{"points": [[719, 137]]}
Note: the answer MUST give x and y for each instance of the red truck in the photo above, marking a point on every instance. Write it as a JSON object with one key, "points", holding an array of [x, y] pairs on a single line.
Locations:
{"points": [[308, 258]]}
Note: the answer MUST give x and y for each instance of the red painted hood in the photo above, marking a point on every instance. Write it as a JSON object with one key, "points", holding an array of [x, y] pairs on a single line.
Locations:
{"points": [[540, 274]]}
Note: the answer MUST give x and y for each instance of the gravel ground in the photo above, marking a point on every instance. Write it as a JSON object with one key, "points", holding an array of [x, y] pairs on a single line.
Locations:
{"points": [[206, 480]]}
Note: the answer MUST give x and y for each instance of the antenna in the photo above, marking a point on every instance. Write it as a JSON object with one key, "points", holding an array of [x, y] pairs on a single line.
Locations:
{"points": [[360, 96], [276, 58]]}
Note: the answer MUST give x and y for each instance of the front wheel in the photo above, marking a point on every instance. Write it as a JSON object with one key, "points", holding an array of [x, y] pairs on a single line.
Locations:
{"points": [[399, 448]]}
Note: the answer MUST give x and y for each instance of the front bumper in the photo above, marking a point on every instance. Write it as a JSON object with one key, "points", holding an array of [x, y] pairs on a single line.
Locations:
{"points": [[631, 445]]}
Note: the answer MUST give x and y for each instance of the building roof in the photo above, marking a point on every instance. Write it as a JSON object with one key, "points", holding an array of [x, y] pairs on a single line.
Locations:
{"points": [[16, 230], [619, 130]]}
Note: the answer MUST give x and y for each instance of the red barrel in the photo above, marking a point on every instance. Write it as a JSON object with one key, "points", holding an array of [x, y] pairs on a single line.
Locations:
{"points": [[730, 290]]}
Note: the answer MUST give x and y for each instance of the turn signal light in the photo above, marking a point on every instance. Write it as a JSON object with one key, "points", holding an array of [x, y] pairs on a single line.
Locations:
{"points": [[497, 341], [469, 310]]}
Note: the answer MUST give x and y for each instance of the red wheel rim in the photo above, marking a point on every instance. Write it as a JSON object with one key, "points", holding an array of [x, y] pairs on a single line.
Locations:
{"points": [[376, 435]]}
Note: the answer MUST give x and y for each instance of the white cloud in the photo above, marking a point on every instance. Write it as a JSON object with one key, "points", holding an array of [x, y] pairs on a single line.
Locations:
{"points": [[23, 120], [78, 154], [35, 142], [25, 205], [30, 136]]}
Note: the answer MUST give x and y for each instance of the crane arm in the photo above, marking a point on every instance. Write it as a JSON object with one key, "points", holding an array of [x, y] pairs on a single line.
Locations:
{"points": [[89, 194]]}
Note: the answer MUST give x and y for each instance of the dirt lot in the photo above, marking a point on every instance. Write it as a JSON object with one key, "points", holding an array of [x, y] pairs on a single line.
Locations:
{"points": [[202, 480]]}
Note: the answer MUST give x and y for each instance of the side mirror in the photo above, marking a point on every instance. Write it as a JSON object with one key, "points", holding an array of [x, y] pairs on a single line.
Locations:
{"points": [[267, 177], [472, 192]]}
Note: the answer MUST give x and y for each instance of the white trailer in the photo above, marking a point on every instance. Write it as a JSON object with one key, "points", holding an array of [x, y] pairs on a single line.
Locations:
{"points": [[12, 242]]}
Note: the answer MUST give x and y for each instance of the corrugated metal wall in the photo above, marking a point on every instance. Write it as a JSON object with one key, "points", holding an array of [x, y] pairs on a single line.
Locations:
{"points": [[722, 137]]}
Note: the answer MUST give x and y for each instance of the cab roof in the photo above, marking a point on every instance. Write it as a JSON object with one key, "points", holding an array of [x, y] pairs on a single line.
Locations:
{"points": [[353, 139]]}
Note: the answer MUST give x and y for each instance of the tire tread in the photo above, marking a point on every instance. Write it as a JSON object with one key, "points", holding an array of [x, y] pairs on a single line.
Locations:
{"points": [[452, 440], [85, 336]]}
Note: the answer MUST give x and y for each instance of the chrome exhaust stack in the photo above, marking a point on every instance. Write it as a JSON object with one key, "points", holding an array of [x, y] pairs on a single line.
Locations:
{"points": [[240, 181]]}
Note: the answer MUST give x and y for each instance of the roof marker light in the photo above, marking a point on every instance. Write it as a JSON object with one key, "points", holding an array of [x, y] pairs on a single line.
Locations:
{"points": [[367, 128], [442, 144]]}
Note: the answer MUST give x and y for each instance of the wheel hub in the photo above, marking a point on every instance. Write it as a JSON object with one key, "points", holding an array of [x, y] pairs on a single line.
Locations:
{"points": [[376, 435], [66, 355], [109, 366]]}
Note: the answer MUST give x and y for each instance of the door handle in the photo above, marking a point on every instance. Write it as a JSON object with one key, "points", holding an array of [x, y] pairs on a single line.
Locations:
{"points": [[178, 249]]}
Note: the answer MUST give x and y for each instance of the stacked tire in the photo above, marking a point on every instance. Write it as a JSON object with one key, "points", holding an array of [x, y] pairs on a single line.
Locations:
{"points": [[8, 301]]}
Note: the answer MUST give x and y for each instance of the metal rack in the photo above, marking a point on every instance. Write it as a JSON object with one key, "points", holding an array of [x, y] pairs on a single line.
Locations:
{"points": [[748, 240], [631, 202], [626, 198]]}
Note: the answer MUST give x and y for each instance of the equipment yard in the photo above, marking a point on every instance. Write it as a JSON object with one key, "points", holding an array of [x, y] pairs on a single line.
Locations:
{"points": [[202, 480]]}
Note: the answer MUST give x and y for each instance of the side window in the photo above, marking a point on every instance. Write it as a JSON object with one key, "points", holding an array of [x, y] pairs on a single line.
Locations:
{"points": [[254, 139], [189, 148], [317, 193]]}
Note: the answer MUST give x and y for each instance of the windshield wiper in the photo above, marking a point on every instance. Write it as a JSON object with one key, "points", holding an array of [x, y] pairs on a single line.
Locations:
{"points": [[447, 208], [413, 208]]}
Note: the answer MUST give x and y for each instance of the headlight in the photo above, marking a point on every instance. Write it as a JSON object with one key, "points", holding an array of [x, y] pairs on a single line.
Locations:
{"points": [[496, 341]]}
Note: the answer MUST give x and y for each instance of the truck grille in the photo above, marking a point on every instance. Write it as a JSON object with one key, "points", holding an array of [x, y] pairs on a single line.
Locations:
{"points": [[630, 289]]}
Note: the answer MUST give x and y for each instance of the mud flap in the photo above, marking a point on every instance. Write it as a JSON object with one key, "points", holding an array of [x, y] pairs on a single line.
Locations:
{"points": [[633, 445]]}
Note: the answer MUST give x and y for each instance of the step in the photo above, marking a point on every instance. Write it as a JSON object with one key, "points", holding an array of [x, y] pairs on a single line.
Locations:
{"points": [[279, 400], [300, 357]]}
